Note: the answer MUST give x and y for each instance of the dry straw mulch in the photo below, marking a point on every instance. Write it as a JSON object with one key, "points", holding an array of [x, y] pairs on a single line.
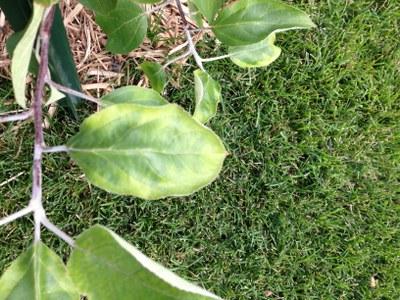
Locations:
{"points": [[98, 69]]}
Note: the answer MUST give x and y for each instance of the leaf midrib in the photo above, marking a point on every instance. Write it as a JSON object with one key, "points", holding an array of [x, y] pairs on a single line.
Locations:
{"points": [[139, 151]]}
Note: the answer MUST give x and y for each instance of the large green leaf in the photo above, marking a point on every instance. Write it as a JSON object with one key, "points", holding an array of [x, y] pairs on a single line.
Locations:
{"points": [[257, 55], [147, 151], [100, 6], [133, 95], [61, 62], [18, 13], [208, 95], [208, 8], [156, 75], [104, 266], [12, 43], [249, 21], [23, 53], [125, 25], [37, 274]]}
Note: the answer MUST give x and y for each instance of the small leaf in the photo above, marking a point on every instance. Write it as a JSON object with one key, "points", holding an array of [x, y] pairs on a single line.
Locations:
{"points": [[37, 274], [148, 151], [208, 8], [257, 55], [247, 22], [23, 53], [125, 26], [208, 95], [104, 266], [195, 14], [156, 74], [18, 13], [133, 95], [55, 95]]}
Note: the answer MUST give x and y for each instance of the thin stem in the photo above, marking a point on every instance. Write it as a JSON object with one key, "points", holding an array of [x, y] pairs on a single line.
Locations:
{"points": [[195, 30], [58, 232], [189, 38], [36, 203], [36, 200], [73, 92], [192, 48], [216, 58], [12, 179], [55, 149], [19, 214], [186, 54], [16, 117]]}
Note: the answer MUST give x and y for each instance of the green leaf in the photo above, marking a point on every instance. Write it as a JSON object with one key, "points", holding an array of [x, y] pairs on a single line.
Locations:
{"points": [[249, 21], [147, 151], [125, 26], [156, 74], [208, 8], [133, 95], [22, 55], [12, 43], [100, 6], [208, 95], [61, 62], [18, 13], [257, 55], [104, 266], [55, 95], [195, 14], [37, 274]]}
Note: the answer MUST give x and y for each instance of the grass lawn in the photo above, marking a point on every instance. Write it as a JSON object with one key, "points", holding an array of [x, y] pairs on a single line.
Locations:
{"points": [[308, 203]]}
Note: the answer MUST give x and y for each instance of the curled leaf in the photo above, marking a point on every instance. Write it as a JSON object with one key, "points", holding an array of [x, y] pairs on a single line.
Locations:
{"points": [[208, 95]]}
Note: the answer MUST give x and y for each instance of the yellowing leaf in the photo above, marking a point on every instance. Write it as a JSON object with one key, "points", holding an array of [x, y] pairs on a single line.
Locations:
{"points": [[147, 151], [22, 55], [257, 55], [208, 95], [133, 95], [37, 274]]}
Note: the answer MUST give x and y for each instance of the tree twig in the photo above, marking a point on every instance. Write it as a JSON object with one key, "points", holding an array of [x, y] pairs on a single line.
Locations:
{"points": [[57, 231], [36, 200], [16, 117], [36, 203], [19, 214], [73, 92], [12, 179], [191, 46], [217, 58], [186, 54], [55, 149]]}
